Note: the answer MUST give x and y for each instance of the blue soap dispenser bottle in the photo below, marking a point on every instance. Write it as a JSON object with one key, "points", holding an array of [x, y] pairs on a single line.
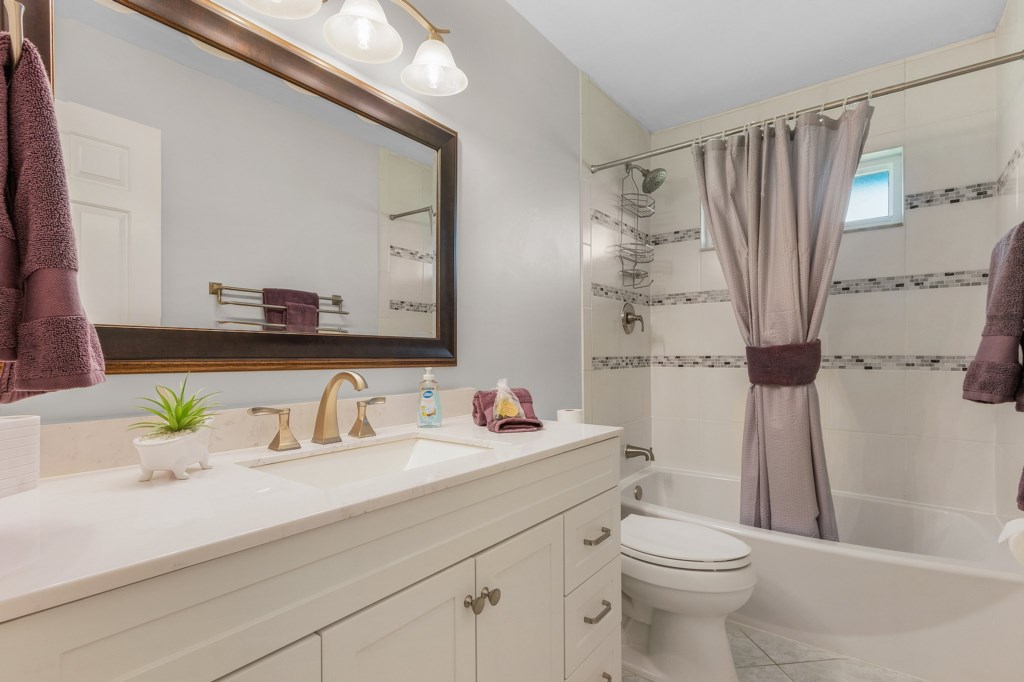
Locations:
{"points": [[430, 402]]}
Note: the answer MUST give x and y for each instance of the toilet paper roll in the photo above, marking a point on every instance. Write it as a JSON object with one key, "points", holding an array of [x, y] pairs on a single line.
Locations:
{"points": [[573, 415]]}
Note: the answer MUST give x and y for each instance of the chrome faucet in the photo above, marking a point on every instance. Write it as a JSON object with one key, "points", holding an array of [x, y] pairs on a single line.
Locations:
{"points": [[325, 430], [637, 451]]}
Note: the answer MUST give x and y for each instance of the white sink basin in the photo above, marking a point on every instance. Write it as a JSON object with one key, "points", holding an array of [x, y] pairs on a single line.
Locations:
{"points": [[364, 462]]}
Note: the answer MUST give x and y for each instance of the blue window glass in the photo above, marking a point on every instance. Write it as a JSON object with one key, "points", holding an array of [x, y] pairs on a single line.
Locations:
{"points": [[870, 197]]}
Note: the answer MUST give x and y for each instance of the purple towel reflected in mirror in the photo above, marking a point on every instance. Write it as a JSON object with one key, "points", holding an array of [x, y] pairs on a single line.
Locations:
{"points": [[300, 313]]}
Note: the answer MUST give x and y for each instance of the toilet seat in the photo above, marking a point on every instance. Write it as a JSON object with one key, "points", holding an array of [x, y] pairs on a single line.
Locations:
{"points": [[681, 545]]}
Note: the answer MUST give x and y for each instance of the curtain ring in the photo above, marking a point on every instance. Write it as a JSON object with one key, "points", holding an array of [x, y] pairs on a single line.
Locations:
{"points": [[821, 114], [846, 100]]}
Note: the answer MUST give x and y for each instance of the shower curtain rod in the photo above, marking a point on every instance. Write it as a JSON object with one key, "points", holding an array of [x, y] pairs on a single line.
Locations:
{"points": [[835, 104]]}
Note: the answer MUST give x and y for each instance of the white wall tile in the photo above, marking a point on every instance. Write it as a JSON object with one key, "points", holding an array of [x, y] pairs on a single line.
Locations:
{"points": [[676, 392], [868, 401], [1009, 463], [951, 237], [720, 333], [711, 275], [676, 268], [936, 409], [867, 463], [945, 321], [676, 329], [676, 442], [951, 153], [723, 393], [871, 253], [608, 337], [951, 473], [721, 447], [866, 324]]}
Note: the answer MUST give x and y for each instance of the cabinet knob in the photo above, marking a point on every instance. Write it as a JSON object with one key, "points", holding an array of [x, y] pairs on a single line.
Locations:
{"points": [[493, 596], [606, 676], [475, 603]]}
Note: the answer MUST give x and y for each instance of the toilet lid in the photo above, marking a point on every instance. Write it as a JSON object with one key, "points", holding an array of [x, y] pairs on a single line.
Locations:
{"points": [[681, 544]]}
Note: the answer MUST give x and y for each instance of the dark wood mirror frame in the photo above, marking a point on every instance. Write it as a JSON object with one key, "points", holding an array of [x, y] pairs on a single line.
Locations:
{"points": [[135, 350]]}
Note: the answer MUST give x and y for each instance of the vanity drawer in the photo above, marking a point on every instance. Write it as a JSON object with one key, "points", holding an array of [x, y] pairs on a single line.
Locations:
{"points": [[593, 612], [298, 662], [604, 665], [591, 537]]}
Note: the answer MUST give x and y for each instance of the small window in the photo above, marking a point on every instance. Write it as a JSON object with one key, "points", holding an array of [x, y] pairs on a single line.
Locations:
{"points": [[877, 196], [875, 201]]}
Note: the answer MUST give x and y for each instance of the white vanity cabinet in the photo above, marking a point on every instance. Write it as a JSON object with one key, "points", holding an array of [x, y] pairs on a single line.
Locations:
{"points": [[378, 597], [428, 632]]}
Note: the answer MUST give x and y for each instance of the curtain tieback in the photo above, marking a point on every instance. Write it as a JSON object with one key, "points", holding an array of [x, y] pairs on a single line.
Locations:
{"points": [[794, 364]]}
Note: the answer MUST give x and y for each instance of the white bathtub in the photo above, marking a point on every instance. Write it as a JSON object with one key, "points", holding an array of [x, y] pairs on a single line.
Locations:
{"points": [[918, 589]]}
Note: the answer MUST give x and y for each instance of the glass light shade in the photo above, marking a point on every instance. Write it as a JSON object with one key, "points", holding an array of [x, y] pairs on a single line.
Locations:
{"points": [[285, 9], [361, 32], [433, 71]]}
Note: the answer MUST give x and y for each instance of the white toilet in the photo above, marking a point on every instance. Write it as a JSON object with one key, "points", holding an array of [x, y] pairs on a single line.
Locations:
{"points": [[680, 582]]}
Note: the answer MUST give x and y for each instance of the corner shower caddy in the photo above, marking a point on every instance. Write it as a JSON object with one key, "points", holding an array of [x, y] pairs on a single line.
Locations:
{"points": [[635, 252]]}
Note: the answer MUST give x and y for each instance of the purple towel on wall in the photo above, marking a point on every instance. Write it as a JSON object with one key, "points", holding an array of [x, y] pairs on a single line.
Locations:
{"points": [[299, 317], [46, 342], [483, 413], [295, 319], [994, 376]]}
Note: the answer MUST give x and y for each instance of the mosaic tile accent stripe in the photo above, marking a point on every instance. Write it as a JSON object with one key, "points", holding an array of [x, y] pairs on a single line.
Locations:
{"points": [[933, 280], [716, 361], [618, 294], [931, 363], [410, 254], [924, 363], [413, 306], [602, 218], [866, 285], [689, 298], [952, 195], [688, 235], [621, 362], [1011, 166]]}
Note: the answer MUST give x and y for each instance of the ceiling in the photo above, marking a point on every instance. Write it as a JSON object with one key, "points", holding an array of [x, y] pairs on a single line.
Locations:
{"points": [[667, 62]]}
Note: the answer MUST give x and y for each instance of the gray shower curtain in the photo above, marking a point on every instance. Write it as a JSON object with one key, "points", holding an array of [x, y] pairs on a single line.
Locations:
{"points": [[775, 201]]}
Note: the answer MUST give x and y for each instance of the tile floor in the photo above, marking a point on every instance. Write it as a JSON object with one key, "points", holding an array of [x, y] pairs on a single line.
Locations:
{"points": [[763, 657]]}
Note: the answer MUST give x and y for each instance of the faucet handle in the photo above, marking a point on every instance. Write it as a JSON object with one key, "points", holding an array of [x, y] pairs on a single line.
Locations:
{"points": [[285, 439], [361, 428]]}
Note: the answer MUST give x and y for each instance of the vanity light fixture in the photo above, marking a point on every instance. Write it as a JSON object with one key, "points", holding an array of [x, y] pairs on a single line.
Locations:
{"points": [[360, 31]]}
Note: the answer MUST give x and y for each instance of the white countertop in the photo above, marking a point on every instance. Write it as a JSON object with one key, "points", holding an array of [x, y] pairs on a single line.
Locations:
{"points": [[76, 536]]}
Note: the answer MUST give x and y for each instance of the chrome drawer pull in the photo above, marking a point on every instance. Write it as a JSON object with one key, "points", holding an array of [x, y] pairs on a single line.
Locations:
{"points": [[606, 676], [599, 617], [605, 534]]}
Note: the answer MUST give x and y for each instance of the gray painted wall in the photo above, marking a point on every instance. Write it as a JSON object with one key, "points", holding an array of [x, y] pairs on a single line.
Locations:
{"points": [[519, 218]]}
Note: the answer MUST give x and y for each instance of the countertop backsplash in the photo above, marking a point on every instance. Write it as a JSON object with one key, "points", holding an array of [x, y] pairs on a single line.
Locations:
{"points": [[76, 447]]}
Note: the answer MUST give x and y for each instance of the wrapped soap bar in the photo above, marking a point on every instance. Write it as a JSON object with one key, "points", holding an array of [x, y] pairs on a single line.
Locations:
{"points": [[506, 404]]}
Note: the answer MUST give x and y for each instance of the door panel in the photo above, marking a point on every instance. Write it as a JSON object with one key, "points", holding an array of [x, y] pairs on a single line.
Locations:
{"points": [[422, 633], [520, 638], [113, 167]]}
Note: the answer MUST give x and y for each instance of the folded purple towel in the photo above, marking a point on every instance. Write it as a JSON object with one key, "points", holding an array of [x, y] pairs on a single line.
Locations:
{"points": [[994, 376], [299, 317], [282, 297], [483, 413], [794, 364]]}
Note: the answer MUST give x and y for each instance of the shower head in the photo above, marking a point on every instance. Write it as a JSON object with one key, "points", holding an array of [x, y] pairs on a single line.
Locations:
{"points": [[653, 179]]}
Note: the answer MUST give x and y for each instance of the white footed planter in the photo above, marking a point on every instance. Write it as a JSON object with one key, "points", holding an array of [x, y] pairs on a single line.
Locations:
{"points": [[19, 454], [173, 453]]}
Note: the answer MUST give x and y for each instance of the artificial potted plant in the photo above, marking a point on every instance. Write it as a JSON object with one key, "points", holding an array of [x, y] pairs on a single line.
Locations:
{"points": [[178, 433]]}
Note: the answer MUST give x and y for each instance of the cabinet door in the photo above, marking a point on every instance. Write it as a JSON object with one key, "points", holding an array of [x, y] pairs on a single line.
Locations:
{"points": [[298, 662], [422, 633], [520, 639]]}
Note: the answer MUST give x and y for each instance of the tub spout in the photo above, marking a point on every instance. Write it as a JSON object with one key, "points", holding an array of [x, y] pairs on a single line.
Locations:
{"points": [[637, 451]]}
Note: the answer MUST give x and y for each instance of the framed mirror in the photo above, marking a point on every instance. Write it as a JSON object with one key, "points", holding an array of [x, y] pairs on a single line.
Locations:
{"points": [[240, 204]]}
